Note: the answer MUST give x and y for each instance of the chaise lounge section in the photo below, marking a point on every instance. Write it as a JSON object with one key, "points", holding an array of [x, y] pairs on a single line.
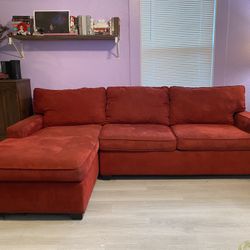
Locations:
{"points": [[50, 162]]}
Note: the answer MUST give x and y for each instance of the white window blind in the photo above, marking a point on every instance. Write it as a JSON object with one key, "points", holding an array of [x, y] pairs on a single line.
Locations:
{"points": [[177, 42]]}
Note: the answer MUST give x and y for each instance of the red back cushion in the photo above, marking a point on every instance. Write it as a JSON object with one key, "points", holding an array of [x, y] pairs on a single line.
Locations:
{"points": [[137, 105], [206, 105], [71, 107]]}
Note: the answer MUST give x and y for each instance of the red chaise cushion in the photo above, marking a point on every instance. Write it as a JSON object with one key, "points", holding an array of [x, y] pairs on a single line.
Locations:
{"points": [[62, 154], [206, 105], [71, 106], [138, 105]]}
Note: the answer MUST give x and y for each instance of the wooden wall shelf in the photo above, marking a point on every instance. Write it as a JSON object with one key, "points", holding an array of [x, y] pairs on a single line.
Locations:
{"points": [[64, 37], [12, 39], [16, 40]]}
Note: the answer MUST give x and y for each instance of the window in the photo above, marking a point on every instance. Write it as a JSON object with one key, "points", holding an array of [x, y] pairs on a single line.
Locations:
{"points": [[177, 40]]}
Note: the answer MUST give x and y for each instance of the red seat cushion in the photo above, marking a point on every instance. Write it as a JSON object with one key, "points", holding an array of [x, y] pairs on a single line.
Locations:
{"points": [[71, 106], [211, 137], [127, 137], [52, 154], [140, 105], [214, 105]]}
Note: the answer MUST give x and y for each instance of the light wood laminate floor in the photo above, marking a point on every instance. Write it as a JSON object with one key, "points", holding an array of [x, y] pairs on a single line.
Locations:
{"points": [[148, 214]]}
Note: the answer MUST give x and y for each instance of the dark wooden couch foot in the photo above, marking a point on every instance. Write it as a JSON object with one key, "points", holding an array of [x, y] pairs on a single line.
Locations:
{"points": [[106, 177], [76, 216]]}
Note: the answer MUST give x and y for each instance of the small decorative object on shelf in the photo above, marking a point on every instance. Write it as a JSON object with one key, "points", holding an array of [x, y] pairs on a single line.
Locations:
{"points": [[101, 27], [115, 26], [22, 25], [85, 25], [52, 22], [73, 25]]}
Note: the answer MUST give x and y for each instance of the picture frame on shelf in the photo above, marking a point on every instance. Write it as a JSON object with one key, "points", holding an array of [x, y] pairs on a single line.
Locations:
{"points": [[51, 22]]}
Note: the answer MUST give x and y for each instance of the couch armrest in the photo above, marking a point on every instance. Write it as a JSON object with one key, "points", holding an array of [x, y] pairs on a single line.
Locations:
{"points": [[25, 127], [242, 121]]}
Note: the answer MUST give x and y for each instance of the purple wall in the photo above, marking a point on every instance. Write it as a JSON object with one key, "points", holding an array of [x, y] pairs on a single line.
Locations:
{"points": [[74, 64], [92, 63], [232, 44]]}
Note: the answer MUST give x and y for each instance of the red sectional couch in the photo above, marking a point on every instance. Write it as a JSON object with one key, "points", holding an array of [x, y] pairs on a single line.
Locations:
{"points": [[50, 162]]}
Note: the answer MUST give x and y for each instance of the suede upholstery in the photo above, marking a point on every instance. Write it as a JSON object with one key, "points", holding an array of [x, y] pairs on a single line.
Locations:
{"points": [[200, 137], [47, 165], [137, 105], [206, 105], [48, 197], [25, 127], [135, 137], [51, 154], [175, 163], [242, 121], [71, 107]]}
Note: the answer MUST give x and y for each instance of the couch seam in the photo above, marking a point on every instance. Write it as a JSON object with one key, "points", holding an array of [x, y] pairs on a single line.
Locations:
{"points": [[174, 139]]}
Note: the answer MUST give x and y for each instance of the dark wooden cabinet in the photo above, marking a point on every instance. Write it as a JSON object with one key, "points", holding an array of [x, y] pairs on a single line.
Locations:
{"points": [[15, 102]]}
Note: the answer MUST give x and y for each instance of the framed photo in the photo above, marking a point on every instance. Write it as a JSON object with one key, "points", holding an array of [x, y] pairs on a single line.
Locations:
{"points": [[51, 22]]}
